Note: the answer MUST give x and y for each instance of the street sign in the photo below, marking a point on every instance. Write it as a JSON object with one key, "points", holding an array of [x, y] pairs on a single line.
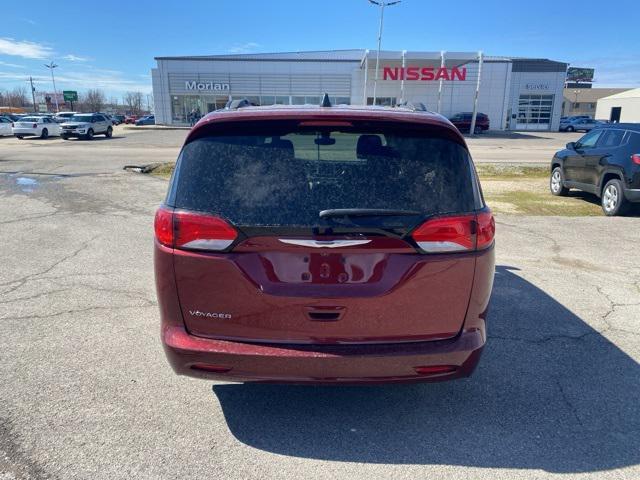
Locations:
{"points": [[42, 107], [70, 95]]}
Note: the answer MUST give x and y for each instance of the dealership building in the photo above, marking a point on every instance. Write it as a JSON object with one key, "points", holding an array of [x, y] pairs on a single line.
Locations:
{"points": [[516, 93]]}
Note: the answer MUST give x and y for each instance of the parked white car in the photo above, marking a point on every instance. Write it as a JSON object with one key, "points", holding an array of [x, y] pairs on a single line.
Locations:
{"points": [[5, 126], [33, 126]]}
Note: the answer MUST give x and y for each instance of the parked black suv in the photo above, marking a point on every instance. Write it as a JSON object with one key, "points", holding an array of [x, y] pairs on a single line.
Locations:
{"points": [[606, 162]]}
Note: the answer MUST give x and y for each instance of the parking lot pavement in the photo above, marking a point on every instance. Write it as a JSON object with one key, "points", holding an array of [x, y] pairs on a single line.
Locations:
{"points": [[86, 392], [518, 147]]}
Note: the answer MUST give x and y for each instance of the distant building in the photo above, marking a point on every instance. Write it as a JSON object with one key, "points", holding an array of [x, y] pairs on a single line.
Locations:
{"points": [[620, 107], [515, 93], [582, 101]]}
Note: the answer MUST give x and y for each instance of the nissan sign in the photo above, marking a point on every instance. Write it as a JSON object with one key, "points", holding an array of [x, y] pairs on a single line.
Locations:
{"points": [[206, 86], [424, 74]]}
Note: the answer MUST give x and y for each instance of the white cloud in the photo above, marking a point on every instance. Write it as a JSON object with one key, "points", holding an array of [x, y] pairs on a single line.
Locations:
{"points": [[244, 47], [75, 58], [11, 65], [25, 49]]}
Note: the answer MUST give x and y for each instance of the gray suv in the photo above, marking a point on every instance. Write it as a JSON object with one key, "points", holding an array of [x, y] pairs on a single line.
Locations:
{"points": [[86, 125]]}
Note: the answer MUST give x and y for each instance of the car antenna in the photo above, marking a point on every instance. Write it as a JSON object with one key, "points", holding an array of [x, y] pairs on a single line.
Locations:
{"points": [[326, 101]]}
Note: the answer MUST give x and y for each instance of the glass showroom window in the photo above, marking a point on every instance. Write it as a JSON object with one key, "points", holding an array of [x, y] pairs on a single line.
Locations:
{"points": [[383, 101]]}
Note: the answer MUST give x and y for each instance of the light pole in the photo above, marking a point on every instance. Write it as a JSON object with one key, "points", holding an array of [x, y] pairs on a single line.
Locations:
{"points": [[51, 66], [575, 92], [380, 4]]}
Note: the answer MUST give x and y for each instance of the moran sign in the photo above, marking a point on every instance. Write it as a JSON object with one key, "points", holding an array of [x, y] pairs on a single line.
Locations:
{"points": [[206, 86], [424, 74]]}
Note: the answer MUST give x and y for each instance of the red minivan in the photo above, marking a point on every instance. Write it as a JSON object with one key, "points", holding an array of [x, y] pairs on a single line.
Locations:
{"points": [[303, 244]]}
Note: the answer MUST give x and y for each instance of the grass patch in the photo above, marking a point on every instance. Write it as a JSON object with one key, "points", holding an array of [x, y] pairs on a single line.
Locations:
{"points": [[497, 171], [162, 170], [536, 203]]}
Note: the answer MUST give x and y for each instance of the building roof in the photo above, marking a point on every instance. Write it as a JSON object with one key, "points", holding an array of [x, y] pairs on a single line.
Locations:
{"points": [[591, 95], [631, 93], [353, 55], [358, 54]]}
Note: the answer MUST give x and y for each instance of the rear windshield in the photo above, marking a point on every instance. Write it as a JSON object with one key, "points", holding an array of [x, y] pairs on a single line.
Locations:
{"points": [[285, 178], [30, 119]]}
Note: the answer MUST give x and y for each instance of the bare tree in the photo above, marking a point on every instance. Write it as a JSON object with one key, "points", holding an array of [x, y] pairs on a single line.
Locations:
{"points": [[133, 100], [93, 100], [15, 98]]}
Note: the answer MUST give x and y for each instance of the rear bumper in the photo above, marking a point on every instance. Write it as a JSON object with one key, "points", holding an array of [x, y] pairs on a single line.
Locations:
{"points": [[331, 364], [24, 132]]}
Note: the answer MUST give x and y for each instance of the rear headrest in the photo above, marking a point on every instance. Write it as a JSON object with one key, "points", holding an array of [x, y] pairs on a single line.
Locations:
{"points": [[369, 145], [284, 147]]}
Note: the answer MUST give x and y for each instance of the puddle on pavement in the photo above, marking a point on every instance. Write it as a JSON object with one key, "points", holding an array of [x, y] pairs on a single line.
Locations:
{"points": [[27, 184], [21, 182]]}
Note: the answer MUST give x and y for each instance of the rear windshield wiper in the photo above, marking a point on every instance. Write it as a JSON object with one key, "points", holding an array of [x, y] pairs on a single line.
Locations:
{"points": [[367, 212]]}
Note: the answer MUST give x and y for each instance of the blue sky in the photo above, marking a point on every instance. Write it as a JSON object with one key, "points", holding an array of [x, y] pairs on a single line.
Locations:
{"points": [[113, 47]]}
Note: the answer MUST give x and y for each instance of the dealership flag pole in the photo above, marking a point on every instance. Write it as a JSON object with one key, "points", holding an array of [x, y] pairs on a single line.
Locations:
{"points": [[440, 83], [472, 128], [404, 54], [381, 4], [366, 71]]}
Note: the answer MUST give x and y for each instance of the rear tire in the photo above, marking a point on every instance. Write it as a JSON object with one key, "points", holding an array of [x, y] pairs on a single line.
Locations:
{"points": [[89, 135], [20, 137], [109, 132], [45, 134], [570, 129], [477, 130], [65, 137], [556, 183], [613, 201]]}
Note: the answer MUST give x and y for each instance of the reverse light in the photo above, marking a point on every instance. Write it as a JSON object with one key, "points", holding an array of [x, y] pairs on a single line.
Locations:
{"points": [[207, 367], [460, 233], [635, 158], [189, 230]]}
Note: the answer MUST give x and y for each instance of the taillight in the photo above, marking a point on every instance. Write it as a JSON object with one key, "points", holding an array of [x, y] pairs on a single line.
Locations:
{"points": [[189, 230], [635, 158], [163, 226], [486, 230], [460, 233]]}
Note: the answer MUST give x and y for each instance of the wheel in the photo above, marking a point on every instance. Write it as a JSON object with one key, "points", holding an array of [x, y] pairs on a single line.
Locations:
{"points": [[109, 132], [20, 137], [477, 130], [89, 135], [570, 129], [613, 201], [556, 183], [44, 134], [65, 137]]}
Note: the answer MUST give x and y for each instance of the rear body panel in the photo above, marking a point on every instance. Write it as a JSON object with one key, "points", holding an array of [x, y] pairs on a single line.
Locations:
{"points": [[279, 294], [391, 362]]}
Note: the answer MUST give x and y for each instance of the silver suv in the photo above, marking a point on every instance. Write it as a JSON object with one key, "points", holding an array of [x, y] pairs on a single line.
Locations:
{"points": [[86, 125]]}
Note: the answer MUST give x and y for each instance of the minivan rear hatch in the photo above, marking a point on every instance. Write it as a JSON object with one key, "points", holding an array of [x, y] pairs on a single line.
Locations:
{"points": [[301, 232]]}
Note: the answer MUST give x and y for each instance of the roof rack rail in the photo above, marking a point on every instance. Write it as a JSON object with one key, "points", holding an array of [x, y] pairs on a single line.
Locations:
{"points": [[416, 107], [236, 104]]}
